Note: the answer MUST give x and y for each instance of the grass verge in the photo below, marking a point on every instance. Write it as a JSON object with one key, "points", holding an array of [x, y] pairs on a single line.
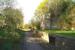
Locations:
{"points": [[61, 32]]}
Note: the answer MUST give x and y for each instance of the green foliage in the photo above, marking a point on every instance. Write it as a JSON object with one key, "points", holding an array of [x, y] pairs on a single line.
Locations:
{"points": [[2, 21], [14, 17], [36, 24], [42, 8], [61, 13], [11, 39], [68, 17], [10, 20]]}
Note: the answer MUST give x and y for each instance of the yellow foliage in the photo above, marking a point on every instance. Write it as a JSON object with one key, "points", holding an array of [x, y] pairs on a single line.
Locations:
{"points": [[42, 8]]}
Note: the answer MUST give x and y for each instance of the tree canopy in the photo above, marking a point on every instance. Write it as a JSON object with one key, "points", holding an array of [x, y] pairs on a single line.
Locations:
{"points": [[61, 13], [11, 19]]}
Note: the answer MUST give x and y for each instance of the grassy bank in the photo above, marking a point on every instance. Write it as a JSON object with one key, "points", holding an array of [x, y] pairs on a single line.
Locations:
{"points": [[61, 32]]}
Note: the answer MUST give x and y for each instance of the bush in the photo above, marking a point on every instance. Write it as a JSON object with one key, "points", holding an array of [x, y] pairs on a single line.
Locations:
{"points": [[12, 36], [9, 39]]}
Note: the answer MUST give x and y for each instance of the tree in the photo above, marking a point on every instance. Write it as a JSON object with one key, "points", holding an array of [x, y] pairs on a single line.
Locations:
{"points": [[42, 8], [56, 10], [14, 17], [70, 17]]}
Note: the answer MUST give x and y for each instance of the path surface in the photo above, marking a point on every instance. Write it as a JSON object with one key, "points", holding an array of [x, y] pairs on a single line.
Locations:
{"points": [[31, 43]]}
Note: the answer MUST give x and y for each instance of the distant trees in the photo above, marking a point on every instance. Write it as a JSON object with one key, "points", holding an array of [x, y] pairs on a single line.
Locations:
{"points": [[35, 23]]}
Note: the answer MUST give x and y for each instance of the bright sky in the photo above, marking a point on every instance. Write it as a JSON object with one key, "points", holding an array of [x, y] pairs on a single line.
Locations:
{"points": [[28, 7]]}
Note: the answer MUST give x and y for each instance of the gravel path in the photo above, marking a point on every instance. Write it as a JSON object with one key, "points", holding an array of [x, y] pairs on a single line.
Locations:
{"points": [[30, 43]]}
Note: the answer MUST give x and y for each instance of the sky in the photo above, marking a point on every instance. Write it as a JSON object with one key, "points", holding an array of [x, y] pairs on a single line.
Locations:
{"points": [[28, 8]]}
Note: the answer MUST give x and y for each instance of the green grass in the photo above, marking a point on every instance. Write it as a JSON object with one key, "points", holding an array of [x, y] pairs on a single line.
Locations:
{"points": [[61, 33], [67, 34]]}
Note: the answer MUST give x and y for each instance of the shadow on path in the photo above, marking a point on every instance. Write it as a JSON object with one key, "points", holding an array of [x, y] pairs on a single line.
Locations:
{"points": [[30, 43]]}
